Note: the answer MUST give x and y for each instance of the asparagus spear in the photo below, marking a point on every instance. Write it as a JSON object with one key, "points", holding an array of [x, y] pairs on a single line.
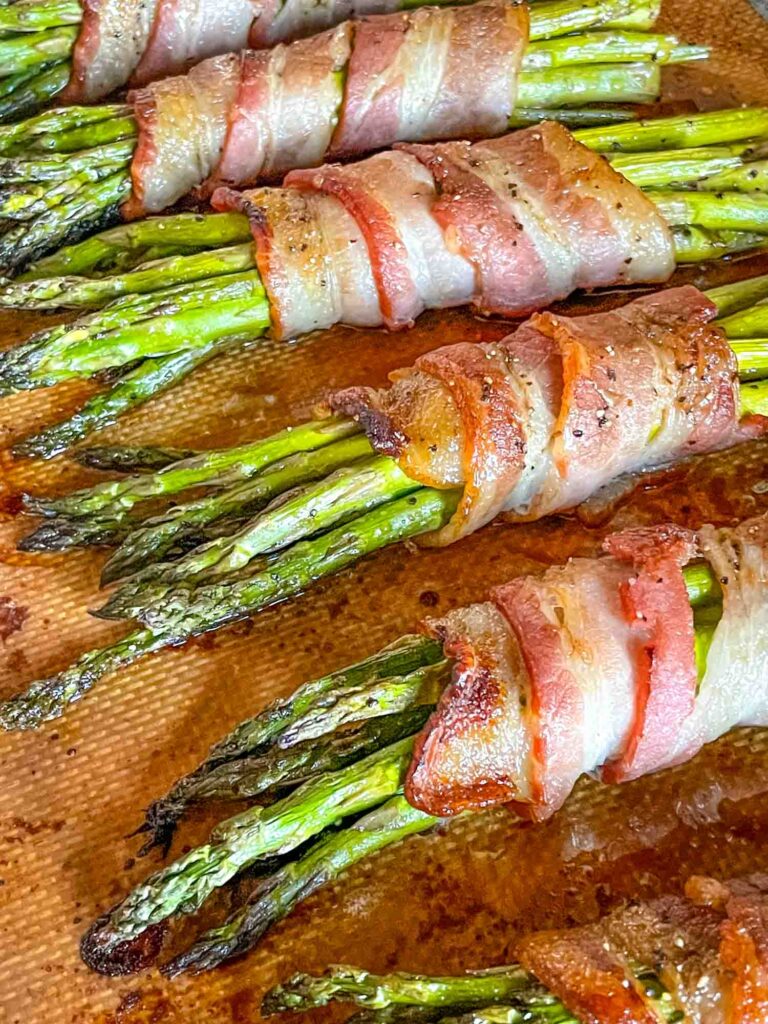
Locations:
{"points": [[255, 775], [288, 575], [213, 467], [276, 897], [408, 654], [137, 386], [188, 612], [142, 459], [47, 698], [352, 985], [348, 491], [162, 534], [248, 837]]}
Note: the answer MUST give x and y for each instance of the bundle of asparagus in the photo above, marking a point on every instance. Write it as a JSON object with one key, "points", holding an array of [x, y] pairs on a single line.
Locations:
{"points": [[65, 174], [340, 747], [199, 565], [498, 995], [171, 292]]}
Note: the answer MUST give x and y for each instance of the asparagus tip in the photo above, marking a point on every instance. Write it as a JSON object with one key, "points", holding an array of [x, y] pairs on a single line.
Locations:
{"points": [[99, 951]]}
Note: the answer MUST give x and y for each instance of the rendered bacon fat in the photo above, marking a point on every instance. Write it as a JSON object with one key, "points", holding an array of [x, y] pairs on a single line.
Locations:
{"points": [[590, 668], [542, 245], [134, 42], [541, 420], [709, 949], [259, 114]]}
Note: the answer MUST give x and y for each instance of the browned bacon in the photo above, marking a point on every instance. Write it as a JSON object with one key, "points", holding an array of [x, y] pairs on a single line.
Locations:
{"points": [[541, 420], [708, 949], [590, 668], [403, 81]]}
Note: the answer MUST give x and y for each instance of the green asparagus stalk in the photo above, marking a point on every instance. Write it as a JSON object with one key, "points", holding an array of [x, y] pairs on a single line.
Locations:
{"points": [[31, 16], [31, 50], [352, 985], [23, 94], [697, 245], [408, 654], [141, 459], [149, 379], [287, 575], [251, 836], [125, 246], [213, 467], [277, 896], [716, 211], [48, 698], [347, 492], [76, 292], [188, 612], [259, 774], [144, 547]]}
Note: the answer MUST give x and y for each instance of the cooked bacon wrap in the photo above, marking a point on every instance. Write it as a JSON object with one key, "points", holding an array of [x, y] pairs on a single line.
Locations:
{"points": [[709, 949], [548, 216], [133, 42], [591, 668], [541, 420], [403, 80]]}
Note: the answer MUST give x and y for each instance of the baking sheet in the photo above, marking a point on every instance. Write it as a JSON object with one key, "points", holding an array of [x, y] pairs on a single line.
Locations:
{"points": [[73, 791]]}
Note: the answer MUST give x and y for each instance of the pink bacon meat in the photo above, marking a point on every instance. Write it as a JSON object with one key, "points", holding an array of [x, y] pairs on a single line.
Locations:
{"points": [[419, 260], [403, 80], [133, 42], [708, 948], [541, 420], [591, 668]]}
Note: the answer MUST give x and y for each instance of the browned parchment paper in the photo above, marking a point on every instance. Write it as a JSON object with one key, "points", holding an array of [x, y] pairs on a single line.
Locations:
{"points": [[72, 792]]}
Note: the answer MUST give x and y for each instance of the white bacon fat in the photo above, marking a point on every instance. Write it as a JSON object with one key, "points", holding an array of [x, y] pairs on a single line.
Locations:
{"points": [[591, 668]]}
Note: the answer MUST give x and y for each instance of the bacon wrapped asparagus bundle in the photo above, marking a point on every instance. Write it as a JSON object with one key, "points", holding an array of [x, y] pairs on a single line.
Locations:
{"points": [[79, 52], [244, 117], [617, 666], [701, 956], [527, 426], [509, 225]]}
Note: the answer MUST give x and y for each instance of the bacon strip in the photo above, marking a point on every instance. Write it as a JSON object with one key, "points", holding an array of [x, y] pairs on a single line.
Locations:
{"points": [[354, 89], [311, 258], [734, 690], [135, 42], [112, 38], [178, 148], [464, 758], [285, 108], [417, 263], [657, 609], [407, 76], [277, 22], [595, 671], [187, 31], [593, 969], [566, 407], [539, 215]]}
